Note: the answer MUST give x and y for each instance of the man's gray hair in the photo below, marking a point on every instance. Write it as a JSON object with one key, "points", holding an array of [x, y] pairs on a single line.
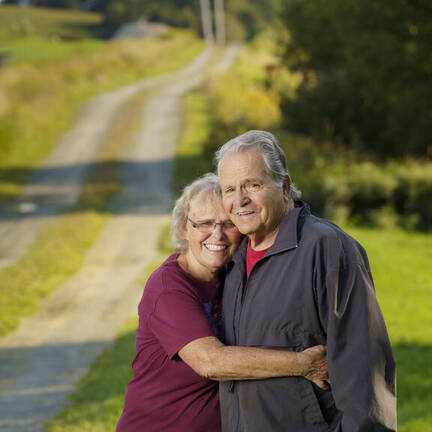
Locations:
{"points": [[208, 188], [273, 155]]}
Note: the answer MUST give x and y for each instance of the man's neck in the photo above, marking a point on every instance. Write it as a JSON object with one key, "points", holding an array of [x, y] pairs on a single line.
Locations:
{"points": [[258, 242], [261, 241]]}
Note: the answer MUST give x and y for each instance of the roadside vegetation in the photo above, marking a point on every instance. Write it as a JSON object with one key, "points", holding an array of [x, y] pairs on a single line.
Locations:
{"points": [[39, 101]]}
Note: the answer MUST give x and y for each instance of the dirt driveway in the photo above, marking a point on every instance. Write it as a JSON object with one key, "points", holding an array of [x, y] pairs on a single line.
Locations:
{"points": [[41, 361]]}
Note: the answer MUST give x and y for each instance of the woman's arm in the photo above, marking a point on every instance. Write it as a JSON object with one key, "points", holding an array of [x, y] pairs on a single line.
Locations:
{"points": [[211, 359]]}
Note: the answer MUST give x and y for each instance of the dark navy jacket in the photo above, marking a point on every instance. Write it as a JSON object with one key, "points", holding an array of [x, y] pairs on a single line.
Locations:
{"points": [[313, 286]]}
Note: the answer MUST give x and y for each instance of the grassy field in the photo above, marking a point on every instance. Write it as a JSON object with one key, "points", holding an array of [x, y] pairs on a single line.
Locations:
{"points": [[34, 34]]}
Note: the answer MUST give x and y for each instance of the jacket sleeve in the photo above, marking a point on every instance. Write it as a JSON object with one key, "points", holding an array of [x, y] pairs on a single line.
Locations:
{"points": [[360, 360]]}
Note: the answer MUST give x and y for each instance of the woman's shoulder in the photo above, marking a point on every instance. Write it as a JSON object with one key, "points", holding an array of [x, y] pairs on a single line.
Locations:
{"points": [[169, 278]]}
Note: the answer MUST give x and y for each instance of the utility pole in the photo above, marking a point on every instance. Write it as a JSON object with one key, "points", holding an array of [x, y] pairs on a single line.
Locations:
{"points": [[220, 21], [206, 17]]}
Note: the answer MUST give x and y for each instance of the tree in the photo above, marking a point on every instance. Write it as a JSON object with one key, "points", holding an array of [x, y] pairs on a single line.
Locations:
{"points": [[367, 68]]}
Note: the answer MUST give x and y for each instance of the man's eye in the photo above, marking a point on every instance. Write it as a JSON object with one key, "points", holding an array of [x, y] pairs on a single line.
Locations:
{"points": [[253, 187], [228, 225]]}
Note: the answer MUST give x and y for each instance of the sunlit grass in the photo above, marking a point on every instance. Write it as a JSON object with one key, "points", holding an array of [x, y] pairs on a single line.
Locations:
{"points": [[63, 24], [400, 263], [34, 48]]}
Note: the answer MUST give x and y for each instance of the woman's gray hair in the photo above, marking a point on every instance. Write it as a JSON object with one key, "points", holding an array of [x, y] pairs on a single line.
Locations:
{"points": [[273, 155], [208, 187]]}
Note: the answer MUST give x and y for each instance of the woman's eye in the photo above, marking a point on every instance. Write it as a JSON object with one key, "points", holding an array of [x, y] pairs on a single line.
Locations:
{"points": [[228, 190], [206, 224]]}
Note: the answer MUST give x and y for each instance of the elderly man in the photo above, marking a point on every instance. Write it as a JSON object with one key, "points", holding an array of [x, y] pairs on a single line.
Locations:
{"points": [[296, 281]]}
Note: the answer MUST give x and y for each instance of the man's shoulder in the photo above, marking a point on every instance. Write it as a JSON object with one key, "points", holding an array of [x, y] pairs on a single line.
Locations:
{"points": [[334, 239], [318, 230]]}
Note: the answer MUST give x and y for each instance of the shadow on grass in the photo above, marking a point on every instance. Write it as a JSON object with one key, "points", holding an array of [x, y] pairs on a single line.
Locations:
{"points": [[117, 187], [414, 382]]}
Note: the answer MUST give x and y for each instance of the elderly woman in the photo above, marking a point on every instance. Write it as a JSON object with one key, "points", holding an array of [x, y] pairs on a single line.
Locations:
{"points": [[178, 353]]}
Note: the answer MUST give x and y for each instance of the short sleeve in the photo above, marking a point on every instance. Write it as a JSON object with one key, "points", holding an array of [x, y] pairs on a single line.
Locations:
{"points": [[178, 319]]}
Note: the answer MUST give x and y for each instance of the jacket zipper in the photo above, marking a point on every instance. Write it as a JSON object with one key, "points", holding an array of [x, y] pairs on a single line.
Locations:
{"points": [[232, 387]]}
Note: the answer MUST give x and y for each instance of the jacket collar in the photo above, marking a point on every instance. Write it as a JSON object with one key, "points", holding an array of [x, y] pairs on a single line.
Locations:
{"points": [[288, 236]]}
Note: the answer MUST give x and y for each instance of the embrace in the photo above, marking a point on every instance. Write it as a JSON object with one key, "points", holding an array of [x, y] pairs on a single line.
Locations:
{"points": [[265, 319]]}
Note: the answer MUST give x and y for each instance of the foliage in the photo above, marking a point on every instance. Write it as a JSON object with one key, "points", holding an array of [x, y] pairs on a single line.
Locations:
{"points": [[244, 19], [241, 99], [339, 184], [371, 194], [174, 12], [189, 162], [366, 73]]}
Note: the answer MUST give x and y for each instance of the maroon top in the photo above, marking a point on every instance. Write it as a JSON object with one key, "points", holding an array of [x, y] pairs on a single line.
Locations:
{"points": [[165, 394]]}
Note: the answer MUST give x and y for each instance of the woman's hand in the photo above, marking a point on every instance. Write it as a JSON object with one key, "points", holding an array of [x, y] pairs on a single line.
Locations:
{"points": [[315, 362]]}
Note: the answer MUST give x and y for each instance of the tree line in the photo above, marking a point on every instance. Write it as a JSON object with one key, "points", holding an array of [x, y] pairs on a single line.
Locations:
{"points": [[366, 68]]}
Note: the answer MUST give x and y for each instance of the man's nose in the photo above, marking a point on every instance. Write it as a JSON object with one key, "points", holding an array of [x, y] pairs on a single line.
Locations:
{"points": [[241, 197]]}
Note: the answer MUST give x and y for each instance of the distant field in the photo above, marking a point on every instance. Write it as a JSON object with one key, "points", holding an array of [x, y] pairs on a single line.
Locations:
{"points": [[48, 23], [33, 34]]}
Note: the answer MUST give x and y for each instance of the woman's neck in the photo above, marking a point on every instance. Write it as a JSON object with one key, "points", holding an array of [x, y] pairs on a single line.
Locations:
{"points": [[187, 262]]}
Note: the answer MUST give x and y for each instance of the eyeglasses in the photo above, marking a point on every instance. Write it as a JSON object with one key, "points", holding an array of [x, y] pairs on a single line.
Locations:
{"points": [[209, 226]]}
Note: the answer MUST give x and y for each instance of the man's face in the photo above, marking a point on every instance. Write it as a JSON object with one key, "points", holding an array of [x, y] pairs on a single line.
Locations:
{"points": [[251, 198]]}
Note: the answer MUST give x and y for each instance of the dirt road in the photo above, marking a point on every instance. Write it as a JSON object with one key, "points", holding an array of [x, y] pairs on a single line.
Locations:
{"points": [[41, 361]]}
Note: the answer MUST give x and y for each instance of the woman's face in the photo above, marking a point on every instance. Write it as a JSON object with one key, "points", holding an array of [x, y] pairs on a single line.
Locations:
{"points": [[210, 246]]}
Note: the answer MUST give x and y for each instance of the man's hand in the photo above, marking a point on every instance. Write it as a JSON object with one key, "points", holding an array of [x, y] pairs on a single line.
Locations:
{"points": [[315, 362]]}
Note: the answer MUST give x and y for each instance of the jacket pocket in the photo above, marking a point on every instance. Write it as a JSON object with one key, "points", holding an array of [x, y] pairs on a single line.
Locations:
{"points": [[310, 407], [284, 404]]}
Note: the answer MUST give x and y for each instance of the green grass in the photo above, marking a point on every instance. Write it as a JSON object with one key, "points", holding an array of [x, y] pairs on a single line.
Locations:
{"points": [[34, 34], [56, 255], [48, 23], [36, 48], [400, 263], [190, 162]]}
